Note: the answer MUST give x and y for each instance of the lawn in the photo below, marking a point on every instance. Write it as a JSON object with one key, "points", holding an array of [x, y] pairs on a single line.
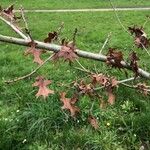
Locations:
{"points": [[37, 124], [66, 4]]}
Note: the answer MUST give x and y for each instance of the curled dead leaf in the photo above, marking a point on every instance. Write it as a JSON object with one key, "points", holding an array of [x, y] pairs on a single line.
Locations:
{"points": [[69, 104]]}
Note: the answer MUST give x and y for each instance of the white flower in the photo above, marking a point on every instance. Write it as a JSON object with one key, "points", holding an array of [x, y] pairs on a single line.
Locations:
{"points": [[17, 110], [24, 141], [108, 124], [6, 119]]}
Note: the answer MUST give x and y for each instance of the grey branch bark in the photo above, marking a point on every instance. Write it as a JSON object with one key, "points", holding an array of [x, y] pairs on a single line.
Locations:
{"points": [[80, 53]]}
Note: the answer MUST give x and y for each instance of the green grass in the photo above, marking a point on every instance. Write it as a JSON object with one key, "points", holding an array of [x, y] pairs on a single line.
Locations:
{"points": [[42, 122], [60, 4]]}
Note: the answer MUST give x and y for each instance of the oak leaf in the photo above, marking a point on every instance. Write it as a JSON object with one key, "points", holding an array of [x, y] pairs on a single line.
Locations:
{"points": [[111, 97], [42, 84], [51, 37], [93, 121], [35, 52], [69, 104], [8, 12], [142, 87], [85, 89], [67, 52], [134, 63], [108, 83], [140, 37], [114, 58]]}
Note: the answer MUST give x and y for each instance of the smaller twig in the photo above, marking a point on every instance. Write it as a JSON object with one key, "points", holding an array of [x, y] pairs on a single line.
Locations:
{"points": [[74, 36], [26, 24], [60, 28], [124, 28], [127, 85], [91, 109], [95, 69], [86, 71], [14, 28], [30, 74], [136, 87], [147, 20], [83, 68], [146, 50], [127, 80], [106, 41], [119, 82]]}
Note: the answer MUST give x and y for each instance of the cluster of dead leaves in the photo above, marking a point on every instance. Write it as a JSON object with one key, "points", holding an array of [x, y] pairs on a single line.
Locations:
{"points": [[115, 57], [69, 104], [9, 13], [140, 37], [84, 89], [108, 83], [67, 51], [143, 88]]}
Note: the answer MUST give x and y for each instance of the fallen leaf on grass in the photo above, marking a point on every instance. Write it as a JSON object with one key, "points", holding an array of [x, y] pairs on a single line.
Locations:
{"points": [[111, 97], [42, 84], [69, 104], [93, 121]]}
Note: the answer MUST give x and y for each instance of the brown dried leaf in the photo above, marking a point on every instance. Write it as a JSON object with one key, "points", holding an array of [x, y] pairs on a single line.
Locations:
{"points": [[67, 52], [141, 40], [138, 32], [111, 97], [93, 121], [85, 89], [35, 52], [51, 37], [142, 87], [104, 80], [103, 104], [69, 104], [9, 10], [42, 84], [114, 58], [133, 63]]}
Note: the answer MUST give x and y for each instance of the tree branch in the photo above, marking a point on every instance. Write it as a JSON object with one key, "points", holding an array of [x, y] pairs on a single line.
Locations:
{"points": [[55, 48], [14, 28]]}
